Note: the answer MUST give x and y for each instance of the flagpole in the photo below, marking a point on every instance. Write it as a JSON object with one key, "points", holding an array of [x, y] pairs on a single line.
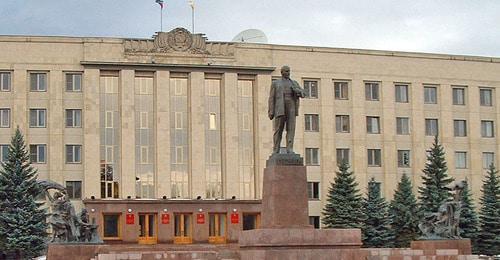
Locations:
{"points": [[161, 19], [192, 17]]}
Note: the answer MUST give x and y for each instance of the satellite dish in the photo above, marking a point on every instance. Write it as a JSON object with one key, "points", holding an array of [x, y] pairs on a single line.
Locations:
{"points": [[251, 35]]}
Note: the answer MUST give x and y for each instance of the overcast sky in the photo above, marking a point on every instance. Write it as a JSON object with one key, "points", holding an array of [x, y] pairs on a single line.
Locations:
{"points": [[470, 27]]}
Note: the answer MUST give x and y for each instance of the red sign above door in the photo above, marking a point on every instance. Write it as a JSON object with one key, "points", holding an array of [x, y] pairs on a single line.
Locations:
{"points": [[130, 219], [200, 218], [165, 218]]}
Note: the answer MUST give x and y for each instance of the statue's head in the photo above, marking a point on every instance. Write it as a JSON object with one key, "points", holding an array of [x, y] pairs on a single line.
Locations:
{"points": [[285, 72]]}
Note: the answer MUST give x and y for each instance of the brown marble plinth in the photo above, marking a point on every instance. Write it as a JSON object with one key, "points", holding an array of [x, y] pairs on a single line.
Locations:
{"points": [[74, 251], [431, 246], [284, 194]]}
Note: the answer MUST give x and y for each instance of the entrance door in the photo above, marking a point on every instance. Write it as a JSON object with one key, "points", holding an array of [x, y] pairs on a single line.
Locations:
{"points": [[147, 226], [182, 228], [217, 228]]}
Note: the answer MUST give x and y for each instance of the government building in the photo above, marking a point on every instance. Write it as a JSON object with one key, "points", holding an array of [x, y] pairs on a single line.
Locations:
{"points": [[164, 140]]}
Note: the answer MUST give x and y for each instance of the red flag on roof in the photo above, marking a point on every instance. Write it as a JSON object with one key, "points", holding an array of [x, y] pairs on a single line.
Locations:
{"points": [[160, 2]]}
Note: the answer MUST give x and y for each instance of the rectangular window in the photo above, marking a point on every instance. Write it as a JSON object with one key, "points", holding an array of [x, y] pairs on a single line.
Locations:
{"points": [[311, 88], [342, 155], [314, 221], [212, 121], [374, 157], [178, 120], [109, 154], [74, 189], [486, 97], [430, 95], [214, 155], [73, 153], [487, 128], [342, 124], [401, 93], [461, 160], [38, 82], [143, 120], [4, 117], [5, 81], [460, 128], [38, 153], [431, 127], [403, 158], [488, 159], [73, 118], [111, 225], [311, 122], [402, 125], [109, 119], [372, 91], [312, 156], [38, 117], [245, 121], [373, 124], [73, 82], [144, 156], [313, 190], [251, 221], [458, 96], [341, 89], [179, 154], [4, 152]]}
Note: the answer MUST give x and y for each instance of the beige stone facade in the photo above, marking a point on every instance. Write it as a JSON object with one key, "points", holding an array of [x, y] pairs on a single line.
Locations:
{"points": [[186, 117]]}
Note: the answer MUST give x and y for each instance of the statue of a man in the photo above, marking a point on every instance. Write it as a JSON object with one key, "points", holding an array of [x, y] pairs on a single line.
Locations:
{"points": [[284, 107]]}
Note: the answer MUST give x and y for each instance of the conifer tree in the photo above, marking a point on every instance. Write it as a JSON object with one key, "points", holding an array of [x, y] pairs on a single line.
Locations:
{"points": [[434, 180], [488, 240], [468, 224], [343, 207], [377, 230], [404, 214], [22, 222]]}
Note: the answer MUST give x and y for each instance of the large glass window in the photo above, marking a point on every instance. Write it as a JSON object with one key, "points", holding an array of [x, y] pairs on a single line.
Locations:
{"points": [[111, 225], [341, 89], [5, 81], [38, 82], [73, 82], [38, 117], [73, 118], [246, 138], [487, 128], [401, 93], [402, 125], [373, 124], [312, 156], [430, 95], [74, 189], [311, 122], [431, 127], [458, 96], [372, 91], [461, 160], [4, 117], [460, 127], [311, 88], [342, 124], [374, 157], [486, 97]]}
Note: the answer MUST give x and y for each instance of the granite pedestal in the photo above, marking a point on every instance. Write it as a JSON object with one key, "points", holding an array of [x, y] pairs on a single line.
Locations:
{"points": [[430, 247], [285, 232]]}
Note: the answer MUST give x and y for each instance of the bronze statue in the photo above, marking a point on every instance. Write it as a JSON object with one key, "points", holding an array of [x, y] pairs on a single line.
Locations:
{"points": [[444, 223], [283, 108]]}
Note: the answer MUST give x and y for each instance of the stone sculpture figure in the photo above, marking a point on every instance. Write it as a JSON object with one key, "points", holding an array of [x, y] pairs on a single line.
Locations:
{"points": [[284, 108], [444, 223]]}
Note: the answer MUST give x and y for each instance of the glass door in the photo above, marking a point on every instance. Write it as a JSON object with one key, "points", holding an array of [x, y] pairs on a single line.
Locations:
{"points": [[217, 228], [147, 228], [183, 228]]}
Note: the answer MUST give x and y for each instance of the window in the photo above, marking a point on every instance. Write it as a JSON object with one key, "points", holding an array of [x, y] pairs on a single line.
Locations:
{"points": [[143, 120], [212, 121], [4, 152], [373, 124], [458, 96], [341, 89], [5, 81], [314, 221], [403, 158], [313, 190], [38, 153], [4, 117], [374, 157], [431, 127], [109, 154], [144, 154], [38, 82], [402, 125], [401, 93], [73, 82], [251, 221], [73, 118], [74, 189], [486, 97], [111, 225], [342, 155], [430, 95], [488, 159], [214, 155], [38, 117], [311, 88], [245, 121], [311, 122], [461, 160], [73, 153], [312, 156], [179, 155], [371, 91], [487, 129], [460, 128], [342, 124], [109, 119]]}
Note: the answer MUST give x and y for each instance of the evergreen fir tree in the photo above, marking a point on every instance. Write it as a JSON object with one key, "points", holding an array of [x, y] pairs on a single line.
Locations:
{"points": [[404, 214], [488, 240], [343, 207], [377, 230], [22, 222], [468, 224], [435, 180]]}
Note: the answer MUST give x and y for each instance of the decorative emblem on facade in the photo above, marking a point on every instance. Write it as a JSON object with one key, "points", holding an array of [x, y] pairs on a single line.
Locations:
{"points": [[179, 40]]}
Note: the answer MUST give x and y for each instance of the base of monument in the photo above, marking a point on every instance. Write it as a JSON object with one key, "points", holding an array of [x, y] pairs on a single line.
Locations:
{"points": [[74, 251], [430, 247], [300, 243]]}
